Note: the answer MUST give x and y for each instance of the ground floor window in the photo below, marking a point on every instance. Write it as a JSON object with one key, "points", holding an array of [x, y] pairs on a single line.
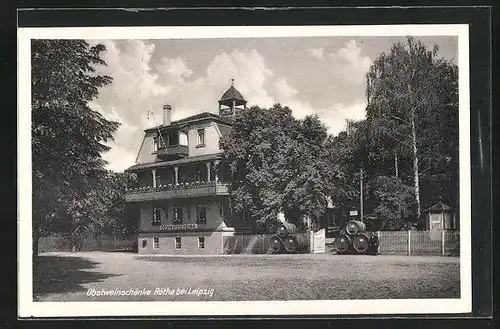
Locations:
{"points": [[177, 215], [156, 242], [178, 244], [201, 242], [201, 215], [156, 217]]}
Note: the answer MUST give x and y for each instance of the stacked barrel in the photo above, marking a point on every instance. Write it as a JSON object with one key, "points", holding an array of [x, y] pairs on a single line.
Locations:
{"points": [[355, 239], [287, 240]]}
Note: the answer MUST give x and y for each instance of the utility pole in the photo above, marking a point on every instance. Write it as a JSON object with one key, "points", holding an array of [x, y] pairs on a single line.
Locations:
{"points": [[361, 194]]}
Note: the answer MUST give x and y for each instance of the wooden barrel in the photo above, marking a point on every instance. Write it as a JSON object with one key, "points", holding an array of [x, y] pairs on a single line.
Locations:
{"points": [[286, 228], [276, 244], [361, 242], [295, 243], [342, 243], [354, 227]]}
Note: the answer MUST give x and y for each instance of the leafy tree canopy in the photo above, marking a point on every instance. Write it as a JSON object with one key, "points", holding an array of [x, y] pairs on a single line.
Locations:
{"points": [[68, 137], [410, 134], [278, 164]]}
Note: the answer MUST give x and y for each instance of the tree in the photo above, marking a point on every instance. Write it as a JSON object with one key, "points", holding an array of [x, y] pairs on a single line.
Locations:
{"points": [[409, 93], [349, 153], [278, 164], [118, 218], [393, 200], [67, 136]]}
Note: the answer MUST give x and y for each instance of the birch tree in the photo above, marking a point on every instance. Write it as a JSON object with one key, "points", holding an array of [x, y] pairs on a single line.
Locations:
{"points": [[408, 89]]}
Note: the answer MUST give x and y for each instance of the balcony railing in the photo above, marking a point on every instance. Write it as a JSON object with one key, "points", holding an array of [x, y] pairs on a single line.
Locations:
{"points": [[173, 151], [173, 191]]}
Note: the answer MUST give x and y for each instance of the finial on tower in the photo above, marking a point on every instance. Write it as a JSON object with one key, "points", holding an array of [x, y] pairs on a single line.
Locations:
{"points": [[232, 82]]}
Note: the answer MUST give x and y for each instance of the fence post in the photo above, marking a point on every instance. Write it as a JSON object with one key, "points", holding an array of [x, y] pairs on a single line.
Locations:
{"points": [[409, 242], [378, 237], [442, 242], [311, 242]]}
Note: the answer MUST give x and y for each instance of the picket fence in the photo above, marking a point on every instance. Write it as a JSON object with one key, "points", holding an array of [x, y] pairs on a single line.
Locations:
{"points": [[444, 243], [99, 243]]}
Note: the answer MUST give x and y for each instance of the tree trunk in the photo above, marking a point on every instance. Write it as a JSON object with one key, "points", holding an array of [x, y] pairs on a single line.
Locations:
{"points": [[36, 238], [74, 242], [35, 233], [396, 164], [415, 165]]}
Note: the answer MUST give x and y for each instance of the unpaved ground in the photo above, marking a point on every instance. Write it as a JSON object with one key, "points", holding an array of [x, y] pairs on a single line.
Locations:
{"points": [[79, 276]]}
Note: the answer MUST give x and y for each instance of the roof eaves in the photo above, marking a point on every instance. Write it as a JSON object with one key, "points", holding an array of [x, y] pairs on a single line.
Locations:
{"points": [[150, 165]]}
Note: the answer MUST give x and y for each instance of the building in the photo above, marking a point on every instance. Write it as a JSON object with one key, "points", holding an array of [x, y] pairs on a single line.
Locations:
{"points": [[182, 187], [440, 217]]}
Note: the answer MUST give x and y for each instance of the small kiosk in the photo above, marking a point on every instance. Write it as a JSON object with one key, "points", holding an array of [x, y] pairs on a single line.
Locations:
{"points": [[439, 217]]}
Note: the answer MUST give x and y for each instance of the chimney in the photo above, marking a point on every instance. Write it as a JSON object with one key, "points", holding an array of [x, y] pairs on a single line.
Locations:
{"points": [[167, 114]]}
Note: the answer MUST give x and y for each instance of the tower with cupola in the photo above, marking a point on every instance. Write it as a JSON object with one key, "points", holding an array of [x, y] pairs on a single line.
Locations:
{"points": [[232, 102]]}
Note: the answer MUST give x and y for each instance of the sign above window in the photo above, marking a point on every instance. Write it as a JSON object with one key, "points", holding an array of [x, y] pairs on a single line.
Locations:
{"points": [[174, 227]]}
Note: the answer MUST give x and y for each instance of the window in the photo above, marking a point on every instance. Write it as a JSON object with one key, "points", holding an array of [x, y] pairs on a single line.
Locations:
{"points": [[178, 215], [201, 242], [201, 174], [201, 137], [221, 209], [183, 139], [155, 144], [156, 217], [173, 138], [157, 179], [201, 215], [178, 244], [156, 242]]}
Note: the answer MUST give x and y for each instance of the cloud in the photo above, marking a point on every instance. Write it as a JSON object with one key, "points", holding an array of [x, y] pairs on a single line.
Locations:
{"points": [[135, 88], [332, 88], [283, 90], [357, 65], [338, 77], [140, 85], [317, 53], [335, 118], [173, 68]]}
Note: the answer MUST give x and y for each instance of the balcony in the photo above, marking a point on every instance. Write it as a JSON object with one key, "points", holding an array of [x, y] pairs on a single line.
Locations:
{"points": [[181, 190], [173, 151]]}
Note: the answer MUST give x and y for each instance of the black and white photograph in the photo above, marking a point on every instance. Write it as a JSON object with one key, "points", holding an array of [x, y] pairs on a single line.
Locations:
{"points": [[244, 170]]}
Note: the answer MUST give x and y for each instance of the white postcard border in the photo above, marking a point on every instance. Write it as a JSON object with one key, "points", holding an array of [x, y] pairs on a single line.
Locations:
{"points": [[28, 308]]}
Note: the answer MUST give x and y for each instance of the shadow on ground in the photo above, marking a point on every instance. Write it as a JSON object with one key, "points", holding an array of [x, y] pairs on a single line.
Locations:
{"points": [[58, 274]]}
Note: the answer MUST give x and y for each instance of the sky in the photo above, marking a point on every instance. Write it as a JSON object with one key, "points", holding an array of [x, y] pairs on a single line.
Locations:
{"points": [[311, 75]]}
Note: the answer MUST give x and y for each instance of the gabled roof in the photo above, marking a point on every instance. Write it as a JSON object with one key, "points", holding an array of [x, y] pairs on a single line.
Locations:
{"points": [[232, 94], [194, 118], [438, 207]]}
